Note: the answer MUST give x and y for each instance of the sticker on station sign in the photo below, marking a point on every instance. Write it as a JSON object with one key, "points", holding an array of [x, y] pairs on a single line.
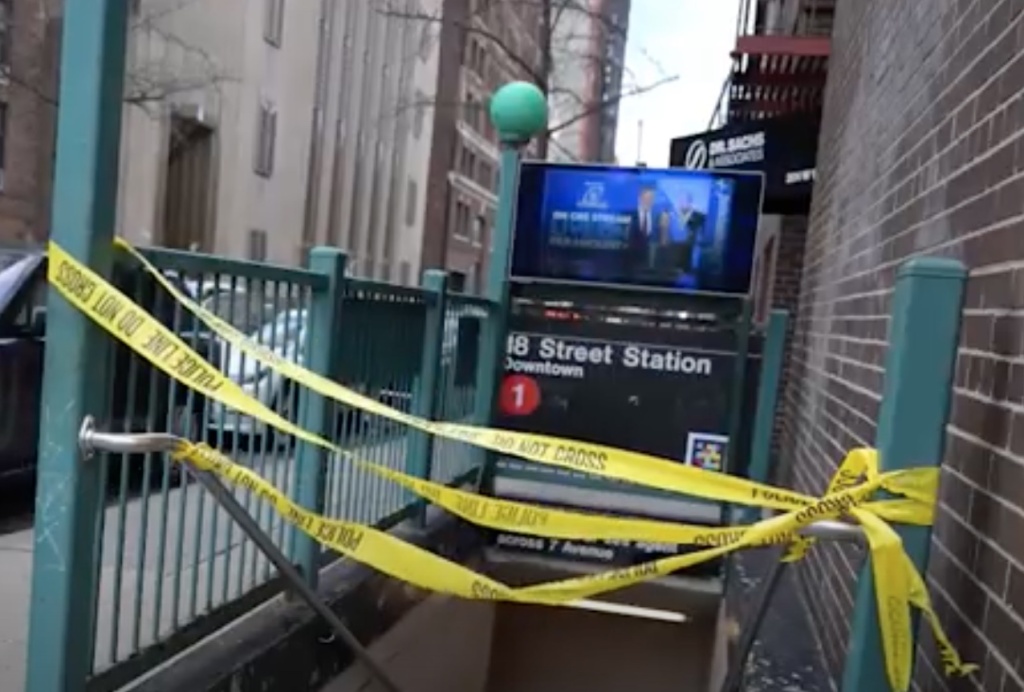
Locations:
{"points": [[705, 450]]}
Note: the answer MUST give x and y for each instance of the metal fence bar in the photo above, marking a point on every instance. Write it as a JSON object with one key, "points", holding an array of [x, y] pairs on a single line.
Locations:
{"points": [[924, 335], [772, 362], [426, 399], [314, 412], [68, 495]]}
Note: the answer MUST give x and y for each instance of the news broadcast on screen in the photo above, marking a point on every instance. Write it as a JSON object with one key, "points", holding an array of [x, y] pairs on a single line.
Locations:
{"points": [[680, 229]]}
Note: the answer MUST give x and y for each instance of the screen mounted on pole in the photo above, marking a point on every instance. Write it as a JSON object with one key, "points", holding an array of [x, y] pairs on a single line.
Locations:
{"points": [[691, 230]]}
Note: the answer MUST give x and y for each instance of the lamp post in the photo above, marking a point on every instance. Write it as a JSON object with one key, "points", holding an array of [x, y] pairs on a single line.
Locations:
{"points": [[519, 112]]}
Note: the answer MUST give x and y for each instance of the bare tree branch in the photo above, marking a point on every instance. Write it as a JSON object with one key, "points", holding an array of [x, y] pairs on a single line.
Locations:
{"points": [[155, 79], [611, 100], [564, 34], [14, 78], [471, 27]]}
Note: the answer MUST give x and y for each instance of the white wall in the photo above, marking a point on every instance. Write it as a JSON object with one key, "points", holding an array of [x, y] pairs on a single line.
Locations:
{"points": [[369, 150]]}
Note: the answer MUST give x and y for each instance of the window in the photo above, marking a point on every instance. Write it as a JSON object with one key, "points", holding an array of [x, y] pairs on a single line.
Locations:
{"points": [[764, 281], [405, 273], [470, 111], [461, 219], [411, 192], [266, 136], [3, 142], [479, 223], [5, 34], [426, 41], [467, 162], [273, 22], [457, 282], [478, 277], [257, 245], [419, 113], [485, 175], [476, 58]]}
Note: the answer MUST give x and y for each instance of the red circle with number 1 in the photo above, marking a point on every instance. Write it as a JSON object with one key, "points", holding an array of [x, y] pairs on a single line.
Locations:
{"points": [[520, 395]]}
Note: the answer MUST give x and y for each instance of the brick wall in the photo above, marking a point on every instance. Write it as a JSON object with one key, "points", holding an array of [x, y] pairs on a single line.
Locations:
{"points": [[922, 151], [789, 259], [30, 93]]}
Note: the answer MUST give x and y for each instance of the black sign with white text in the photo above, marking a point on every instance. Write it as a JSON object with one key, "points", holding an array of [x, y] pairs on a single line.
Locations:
{"points": [[785, 149]]}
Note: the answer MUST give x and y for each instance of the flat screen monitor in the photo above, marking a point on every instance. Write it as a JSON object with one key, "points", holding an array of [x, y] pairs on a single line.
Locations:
{"points": [[675, 229]]}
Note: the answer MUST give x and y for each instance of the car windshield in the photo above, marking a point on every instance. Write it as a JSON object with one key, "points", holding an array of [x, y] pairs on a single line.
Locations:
{"points": [[12, 267], [285, 327]]}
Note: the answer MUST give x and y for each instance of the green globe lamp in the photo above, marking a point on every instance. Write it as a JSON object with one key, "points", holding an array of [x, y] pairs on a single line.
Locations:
{"points": [[519, 111]]}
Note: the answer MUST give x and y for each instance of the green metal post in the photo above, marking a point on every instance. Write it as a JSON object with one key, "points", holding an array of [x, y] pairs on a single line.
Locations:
{"points": [[421, 445], [315, 413], [739, 386], [772, 359], [923, 339], [519, 112], [61, 620], [492, 332]]}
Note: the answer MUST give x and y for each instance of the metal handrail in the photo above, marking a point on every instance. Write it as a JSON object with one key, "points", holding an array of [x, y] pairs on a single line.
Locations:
{"points": [[91, 440]]}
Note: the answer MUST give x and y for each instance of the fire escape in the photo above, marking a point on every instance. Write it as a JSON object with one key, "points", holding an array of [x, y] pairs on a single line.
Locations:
{"points": [[780, 61]]}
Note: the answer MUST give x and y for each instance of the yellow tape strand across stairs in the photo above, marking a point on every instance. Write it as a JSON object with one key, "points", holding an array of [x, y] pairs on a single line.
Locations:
{"points": [[144, 334]]}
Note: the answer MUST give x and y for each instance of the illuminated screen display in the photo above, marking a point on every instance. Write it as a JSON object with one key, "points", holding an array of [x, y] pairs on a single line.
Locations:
{"points": [[673, 229]]}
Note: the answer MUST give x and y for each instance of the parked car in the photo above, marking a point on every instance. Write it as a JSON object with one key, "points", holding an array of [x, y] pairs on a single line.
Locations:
{"points": [[285, 334], [140, 396]]}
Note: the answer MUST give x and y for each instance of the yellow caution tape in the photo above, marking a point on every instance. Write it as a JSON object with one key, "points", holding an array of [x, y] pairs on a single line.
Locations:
{"points": [[422, 568], [597, 460], [903, 586], [419, 567]]}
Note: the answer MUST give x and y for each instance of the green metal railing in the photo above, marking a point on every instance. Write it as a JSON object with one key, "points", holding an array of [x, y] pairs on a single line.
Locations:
{"points": [[170, 567]]}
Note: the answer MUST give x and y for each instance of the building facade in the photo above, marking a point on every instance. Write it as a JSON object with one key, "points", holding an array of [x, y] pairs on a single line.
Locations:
{"points": [[250, 128], [29, 50], [574, 90], [282, 125], [463, 168], [482, 46], [614, 34], [588, 58], [919, 153]]}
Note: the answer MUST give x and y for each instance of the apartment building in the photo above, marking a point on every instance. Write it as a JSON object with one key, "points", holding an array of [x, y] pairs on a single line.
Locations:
{"points": [[575, 81], [29, 40], [588, 54], [261, 128], [615, 32], [462, 179]]}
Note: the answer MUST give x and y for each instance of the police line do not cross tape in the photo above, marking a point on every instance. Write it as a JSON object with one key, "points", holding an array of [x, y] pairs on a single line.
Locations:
{"points": [[899, 585]]}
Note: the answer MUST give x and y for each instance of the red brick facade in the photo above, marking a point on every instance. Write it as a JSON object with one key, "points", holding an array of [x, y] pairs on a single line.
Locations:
{"points": [[785, 295], [922, 152], [28, 136]]}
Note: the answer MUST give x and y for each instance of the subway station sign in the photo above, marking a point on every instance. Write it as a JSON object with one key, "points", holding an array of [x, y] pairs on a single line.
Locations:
{"points": [[660, 391]]}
